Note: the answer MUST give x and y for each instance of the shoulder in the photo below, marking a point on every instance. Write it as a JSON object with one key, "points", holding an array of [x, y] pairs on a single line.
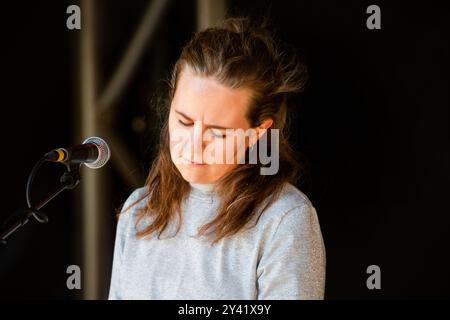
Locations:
{"points": [[291, 195], [135, 201], [290, 198], [291, 206], [137, 198], [292, 221]]}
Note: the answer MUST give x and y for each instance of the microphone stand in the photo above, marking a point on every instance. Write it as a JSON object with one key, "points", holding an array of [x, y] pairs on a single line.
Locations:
{"points": [[69, 180]]}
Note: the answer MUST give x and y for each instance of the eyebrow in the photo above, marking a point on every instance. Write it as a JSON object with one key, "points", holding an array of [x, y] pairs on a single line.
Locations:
{"points": [[206, 125]]}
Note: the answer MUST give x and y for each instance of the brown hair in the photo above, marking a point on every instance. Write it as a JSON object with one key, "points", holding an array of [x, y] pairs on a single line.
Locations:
{"points": [[239, 53]]}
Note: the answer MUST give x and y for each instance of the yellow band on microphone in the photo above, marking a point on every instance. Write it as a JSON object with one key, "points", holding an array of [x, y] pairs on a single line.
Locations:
{"points": [[60, 155]]}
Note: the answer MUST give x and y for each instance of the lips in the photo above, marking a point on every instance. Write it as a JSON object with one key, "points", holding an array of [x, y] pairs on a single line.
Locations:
{"points": [[196, 163], [193, 163]]}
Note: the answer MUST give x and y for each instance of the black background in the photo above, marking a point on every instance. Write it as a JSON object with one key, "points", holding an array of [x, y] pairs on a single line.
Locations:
{"points": [[373, 125]]}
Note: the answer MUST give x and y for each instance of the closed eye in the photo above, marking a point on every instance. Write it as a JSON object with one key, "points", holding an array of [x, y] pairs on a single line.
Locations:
{"points": [[184, 124], [223, 136]]}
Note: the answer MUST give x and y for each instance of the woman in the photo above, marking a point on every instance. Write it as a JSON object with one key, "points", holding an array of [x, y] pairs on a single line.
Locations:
{"points": [[223, 229]]}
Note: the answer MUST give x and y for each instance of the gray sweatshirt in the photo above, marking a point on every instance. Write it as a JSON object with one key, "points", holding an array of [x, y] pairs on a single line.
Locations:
{"points": [[282, 257]]}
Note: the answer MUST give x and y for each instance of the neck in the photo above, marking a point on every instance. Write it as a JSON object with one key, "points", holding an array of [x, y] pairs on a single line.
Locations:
{"points": [[202, 186]]}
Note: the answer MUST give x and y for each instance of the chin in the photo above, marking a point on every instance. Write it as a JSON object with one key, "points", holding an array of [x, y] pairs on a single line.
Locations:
{"points": [[193, 174]]}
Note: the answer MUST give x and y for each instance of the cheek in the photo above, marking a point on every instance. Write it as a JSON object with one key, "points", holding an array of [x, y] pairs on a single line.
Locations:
{"points": [[216, 151], [225, 151], [179, 140], [234, 148]]}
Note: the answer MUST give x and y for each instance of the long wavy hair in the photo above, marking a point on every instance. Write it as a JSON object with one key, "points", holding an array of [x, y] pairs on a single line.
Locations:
{"points": [[238, 53]]}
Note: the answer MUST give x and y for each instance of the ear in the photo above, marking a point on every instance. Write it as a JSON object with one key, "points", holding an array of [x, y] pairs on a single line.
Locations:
{"points": [[266, 124], [260, 130]]}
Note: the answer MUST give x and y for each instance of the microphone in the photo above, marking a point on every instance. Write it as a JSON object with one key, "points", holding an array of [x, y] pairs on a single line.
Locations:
{"points": [[93, 153]]}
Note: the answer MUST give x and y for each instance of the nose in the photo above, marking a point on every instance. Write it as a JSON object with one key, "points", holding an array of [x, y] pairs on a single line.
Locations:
{"points": [[198, 144]]}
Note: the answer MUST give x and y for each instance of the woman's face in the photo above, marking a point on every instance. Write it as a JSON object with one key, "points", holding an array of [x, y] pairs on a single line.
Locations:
{"points": [[200, 112]]}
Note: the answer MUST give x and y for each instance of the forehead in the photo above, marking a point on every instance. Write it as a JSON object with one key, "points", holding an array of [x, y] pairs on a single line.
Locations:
{"points": [[204, 98]]}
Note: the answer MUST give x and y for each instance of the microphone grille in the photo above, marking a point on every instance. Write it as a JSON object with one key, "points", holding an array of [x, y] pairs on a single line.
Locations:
{"points": [[103, 152]]}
